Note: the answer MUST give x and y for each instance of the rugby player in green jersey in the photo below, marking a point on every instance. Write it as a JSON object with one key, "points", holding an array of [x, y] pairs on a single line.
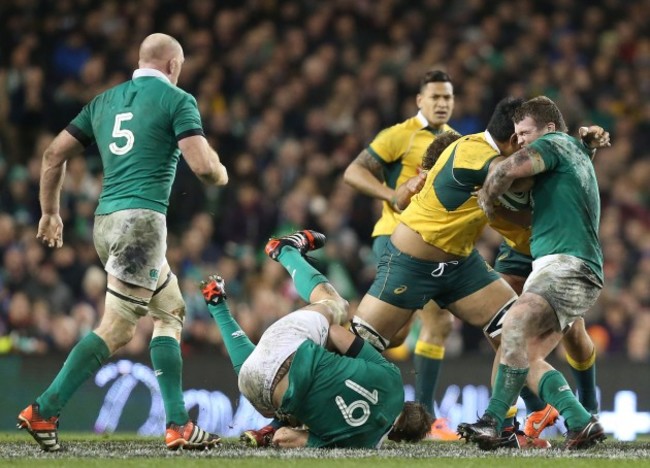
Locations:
{"points": [[567, 270], [307, 369], [140, 128], [387, 170]]}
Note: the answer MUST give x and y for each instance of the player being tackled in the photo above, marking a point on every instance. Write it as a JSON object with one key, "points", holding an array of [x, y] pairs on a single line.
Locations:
{"points": [[308, 370]]}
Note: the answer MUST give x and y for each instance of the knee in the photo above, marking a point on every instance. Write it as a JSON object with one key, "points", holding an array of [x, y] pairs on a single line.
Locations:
{"points": [[167, 308], [168, 324], [115, 331], [436, 325], [400, 337]]}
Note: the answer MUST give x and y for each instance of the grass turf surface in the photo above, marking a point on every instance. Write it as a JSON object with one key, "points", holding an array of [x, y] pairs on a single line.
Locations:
{"points": [[89, 450]]}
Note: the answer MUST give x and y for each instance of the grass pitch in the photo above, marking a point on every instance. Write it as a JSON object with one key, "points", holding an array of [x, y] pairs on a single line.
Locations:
{"points": [[89, 450]]}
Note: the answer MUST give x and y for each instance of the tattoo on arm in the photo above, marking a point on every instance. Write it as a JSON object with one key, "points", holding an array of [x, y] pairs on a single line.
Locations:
{"points": [[366, 160], [524, 163], [528, 156]]}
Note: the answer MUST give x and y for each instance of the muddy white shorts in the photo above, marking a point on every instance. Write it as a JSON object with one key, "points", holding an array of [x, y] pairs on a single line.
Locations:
{"points": [[132, 245], [568, 285], [278, 342]]}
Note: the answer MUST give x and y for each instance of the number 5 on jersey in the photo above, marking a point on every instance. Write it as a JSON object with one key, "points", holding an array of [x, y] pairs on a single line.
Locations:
{"points": [[348, 410], [119, 132]]}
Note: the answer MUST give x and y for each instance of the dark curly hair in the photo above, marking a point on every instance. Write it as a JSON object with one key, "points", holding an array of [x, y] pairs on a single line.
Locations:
{"points": [[413, 423], [437, 146]]}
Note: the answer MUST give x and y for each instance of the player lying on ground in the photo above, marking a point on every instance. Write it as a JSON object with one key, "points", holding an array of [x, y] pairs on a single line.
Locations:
{"points": [[348, 397]]}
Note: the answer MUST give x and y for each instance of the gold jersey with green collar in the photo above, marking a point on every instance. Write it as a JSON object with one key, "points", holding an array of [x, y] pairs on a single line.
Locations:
{"points": [[400, 149], [445, 212]]}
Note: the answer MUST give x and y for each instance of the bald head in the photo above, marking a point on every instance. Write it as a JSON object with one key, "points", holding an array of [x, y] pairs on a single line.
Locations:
{"points": [[162, 52]]}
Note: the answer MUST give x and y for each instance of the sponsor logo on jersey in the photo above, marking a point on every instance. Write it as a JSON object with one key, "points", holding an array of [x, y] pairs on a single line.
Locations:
{"points": [[401, 289], [153, 273]]}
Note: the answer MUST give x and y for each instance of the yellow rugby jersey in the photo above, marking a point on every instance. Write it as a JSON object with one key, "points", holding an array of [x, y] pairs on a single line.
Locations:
{"points": [[400, 149], [514, 235], [445, 213]]}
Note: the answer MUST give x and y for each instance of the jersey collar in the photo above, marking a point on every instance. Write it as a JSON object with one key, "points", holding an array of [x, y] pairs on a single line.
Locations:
{"points": [[422, 119], [491, 141], [425, 124], [140, 72]]}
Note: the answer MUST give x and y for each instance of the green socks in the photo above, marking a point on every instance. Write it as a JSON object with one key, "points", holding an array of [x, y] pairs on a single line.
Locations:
{"points": [[238, 345], [168, 366], [507, 386], [304, 276], [554, 389], [427, 361], [584, 374], [83, 361]]}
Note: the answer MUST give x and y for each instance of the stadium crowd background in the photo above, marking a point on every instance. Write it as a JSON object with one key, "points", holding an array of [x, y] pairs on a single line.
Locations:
{"points": [[290, 92]]}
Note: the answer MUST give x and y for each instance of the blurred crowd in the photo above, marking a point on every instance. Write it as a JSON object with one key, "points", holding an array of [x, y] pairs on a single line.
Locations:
{"points": [[290, 92]]}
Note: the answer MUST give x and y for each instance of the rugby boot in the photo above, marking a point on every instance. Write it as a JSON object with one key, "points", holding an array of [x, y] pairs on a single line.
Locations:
{"points": [[214, 290], [45, 431], [483, 432], [586, 437], [189, 436], [512, 437], [537, 421], [305, 241], [258, 438]]}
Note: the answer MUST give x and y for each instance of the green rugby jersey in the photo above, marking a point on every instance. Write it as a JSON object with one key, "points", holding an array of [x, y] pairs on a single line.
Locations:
{"points": [[137, 126], [566, 202], [345, 402]]}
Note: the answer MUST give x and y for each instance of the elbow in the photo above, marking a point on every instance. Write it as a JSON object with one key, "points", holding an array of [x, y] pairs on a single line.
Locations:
{"points": [[349, 176], [52, 158]]}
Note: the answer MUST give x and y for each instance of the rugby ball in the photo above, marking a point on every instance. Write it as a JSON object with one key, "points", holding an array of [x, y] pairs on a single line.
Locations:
{"points": [[515, 201]]}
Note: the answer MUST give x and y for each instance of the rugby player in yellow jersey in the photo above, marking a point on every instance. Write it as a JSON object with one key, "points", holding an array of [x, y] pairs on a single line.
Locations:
{"points": [[385, 171], [431, 253]]}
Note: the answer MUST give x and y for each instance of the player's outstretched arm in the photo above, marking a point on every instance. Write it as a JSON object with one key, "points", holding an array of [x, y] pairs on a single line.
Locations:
{"points": [[203, 160], [62, 148]]}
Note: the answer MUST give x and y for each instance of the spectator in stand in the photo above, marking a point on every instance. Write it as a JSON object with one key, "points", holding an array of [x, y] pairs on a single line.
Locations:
{"points": [[259, 81]]}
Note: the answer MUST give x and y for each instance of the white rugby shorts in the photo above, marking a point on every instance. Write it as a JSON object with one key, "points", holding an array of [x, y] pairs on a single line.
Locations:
{"points": [[568, 285], [132, 245], [278, 342]]}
